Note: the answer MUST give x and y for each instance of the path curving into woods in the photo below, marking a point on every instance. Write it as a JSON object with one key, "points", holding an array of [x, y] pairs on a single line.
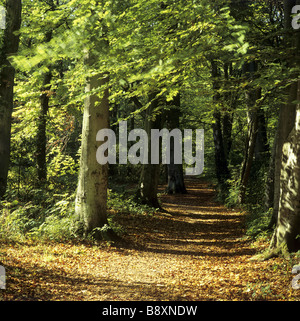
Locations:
{"points": [[197, 250]]}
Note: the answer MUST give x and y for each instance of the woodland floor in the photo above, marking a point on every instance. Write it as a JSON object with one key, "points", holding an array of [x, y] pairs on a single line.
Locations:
{"points": [[197, 250]]}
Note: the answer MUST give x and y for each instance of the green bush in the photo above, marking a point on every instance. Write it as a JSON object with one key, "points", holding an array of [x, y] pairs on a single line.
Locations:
{"points": [[258, 221], [32, 220], [49, 216], [126, 204]]}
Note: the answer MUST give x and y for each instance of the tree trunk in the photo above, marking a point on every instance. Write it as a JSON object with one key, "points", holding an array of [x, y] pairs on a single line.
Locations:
{"points": [[41, 139], [175, 171], [222, 171], [251, 97], [288, 222], [250, 148], [147, 191], [227, 130], [262, 150], [285, 236], [270, 184], [285, 125], [287, 112], [7, 74], [91, 197]]}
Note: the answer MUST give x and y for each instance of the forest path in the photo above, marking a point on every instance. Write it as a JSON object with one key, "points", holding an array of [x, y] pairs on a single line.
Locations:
{"points": [[194, 251]]}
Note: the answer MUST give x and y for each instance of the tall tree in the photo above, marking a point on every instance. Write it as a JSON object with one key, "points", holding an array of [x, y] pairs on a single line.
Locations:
{"points": [[9, 47], [288, 222], [42, 123], [252, 95], [91, 196], [221, 163]]}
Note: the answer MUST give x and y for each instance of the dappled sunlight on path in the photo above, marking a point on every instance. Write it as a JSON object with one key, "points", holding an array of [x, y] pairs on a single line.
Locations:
{"points": [[195, 250]]}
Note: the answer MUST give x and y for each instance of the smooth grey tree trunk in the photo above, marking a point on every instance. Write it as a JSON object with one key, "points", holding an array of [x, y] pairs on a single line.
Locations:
{"points": [[91, 196], [288, 222], [285, 237]]}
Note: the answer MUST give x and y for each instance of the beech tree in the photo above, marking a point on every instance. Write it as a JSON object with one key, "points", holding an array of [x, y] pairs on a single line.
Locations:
{"points": [[91, 194], [288, 222]]}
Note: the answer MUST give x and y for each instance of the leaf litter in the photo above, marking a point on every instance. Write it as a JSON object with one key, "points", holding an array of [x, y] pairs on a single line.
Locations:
{"points": [[194, 250]]}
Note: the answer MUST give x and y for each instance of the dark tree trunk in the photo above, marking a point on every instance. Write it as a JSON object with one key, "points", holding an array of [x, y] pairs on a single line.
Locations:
{"points": [[261, 152], [227, 120], [7, 74], [147, 190], [227, 129], [249, 153], [175, 175], [175, 171], [41, 142], [222, 171], [251, 97], [270, 185]]}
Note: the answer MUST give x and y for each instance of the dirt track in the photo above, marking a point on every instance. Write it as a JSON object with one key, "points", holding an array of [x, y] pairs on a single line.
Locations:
{"points": [[194, 251]]}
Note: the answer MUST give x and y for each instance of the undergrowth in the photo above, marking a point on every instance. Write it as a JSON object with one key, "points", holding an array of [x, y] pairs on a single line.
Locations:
{"points": [[257, 216], [42, 215]]}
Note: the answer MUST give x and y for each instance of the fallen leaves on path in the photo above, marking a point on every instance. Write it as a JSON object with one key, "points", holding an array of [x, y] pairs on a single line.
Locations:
{"points": [[196, 250]]}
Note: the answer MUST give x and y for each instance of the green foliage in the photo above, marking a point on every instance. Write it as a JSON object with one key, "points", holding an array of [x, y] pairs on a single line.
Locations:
{"points": [[232, 198], [36, 220], [259, 290], [50, 217], [124, 203], [62, 171], [258, 221]]}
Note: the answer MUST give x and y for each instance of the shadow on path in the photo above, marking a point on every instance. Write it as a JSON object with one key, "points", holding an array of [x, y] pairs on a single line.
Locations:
{"points": [[194, 224]]}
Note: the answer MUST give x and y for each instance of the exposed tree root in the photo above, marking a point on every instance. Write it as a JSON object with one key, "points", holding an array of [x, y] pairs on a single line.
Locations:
{"points": [[281, 250]]}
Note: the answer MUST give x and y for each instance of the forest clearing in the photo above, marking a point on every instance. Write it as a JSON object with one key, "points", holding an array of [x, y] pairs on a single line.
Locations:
{"points": [[149, 150], [197, 250]]}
